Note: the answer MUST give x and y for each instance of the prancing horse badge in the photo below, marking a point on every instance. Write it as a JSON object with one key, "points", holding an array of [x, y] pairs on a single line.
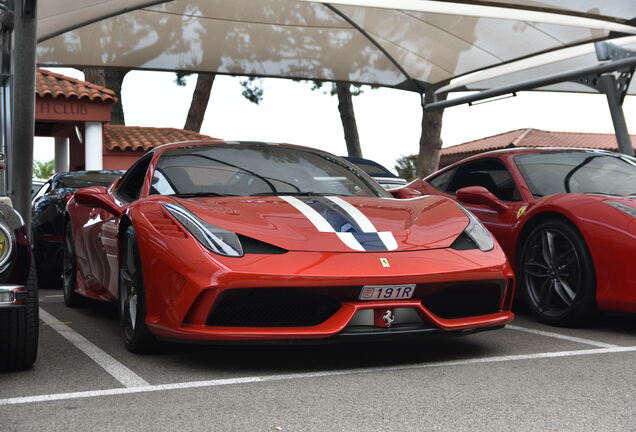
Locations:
{"points": [[385, 262]]}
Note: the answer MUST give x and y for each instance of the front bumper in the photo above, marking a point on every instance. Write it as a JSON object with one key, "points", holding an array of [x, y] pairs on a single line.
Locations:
{"points": [[12, 296], [337, 326], [182, 296]]}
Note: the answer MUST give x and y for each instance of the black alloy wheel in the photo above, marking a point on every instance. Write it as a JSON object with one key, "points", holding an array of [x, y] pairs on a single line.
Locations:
{"points": [[69, 270], [132, 300], [556, 274]]}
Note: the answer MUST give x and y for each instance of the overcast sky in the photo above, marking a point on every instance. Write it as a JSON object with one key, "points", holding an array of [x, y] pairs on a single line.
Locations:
{"points": [[388, 120]]}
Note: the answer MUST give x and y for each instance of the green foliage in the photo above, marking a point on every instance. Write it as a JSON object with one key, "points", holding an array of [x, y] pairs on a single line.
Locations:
{"points": [[356, 89], [253, 90], [180, 78], [406, 167], [43, 170]]}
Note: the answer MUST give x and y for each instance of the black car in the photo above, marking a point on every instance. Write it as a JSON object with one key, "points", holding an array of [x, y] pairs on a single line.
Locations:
{"points": [[47, 220], [380, 174], [18, 302]]}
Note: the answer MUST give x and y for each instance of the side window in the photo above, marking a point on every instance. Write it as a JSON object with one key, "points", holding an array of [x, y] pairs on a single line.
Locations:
{"points": [[45, 188], [441, 180], [160, 184], [489, 173], [133, 180]]}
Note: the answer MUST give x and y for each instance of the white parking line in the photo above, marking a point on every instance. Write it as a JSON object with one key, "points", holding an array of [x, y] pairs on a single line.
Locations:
{"points": [[562, 337], [120, 372], [294, 376]]}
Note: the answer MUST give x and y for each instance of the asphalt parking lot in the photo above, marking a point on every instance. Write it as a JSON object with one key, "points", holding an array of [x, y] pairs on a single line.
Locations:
{"points": [[525, 377]]}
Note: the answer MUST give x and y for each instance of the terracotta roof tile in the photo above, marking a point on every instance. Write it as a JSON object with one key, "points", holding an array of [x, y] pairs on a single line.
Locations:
{"points": [[56, 85], [145, 138], [535, 138]]}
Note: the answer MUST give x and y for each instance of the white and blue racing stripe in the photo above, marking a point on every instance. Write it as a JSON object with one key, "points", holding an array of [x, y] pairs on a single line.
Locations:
{"points": [[335, 215]]}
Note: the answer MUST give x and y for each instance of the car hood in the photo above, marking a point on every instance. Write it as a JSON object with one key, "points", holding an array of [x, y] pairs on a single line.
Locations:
{"points": [[336, 224], [628, 199]]}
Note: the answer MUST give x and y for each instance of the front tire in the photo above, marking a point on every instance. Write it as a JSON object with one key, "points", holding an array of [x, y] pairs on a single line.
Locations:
{"points": [[132, 297], [556, 274]]}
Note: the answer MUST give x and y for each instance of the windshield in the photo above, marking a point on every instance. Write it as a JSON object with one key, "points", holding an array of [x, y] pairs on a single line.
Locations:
{"points": [[578, 172], [257, 169]]}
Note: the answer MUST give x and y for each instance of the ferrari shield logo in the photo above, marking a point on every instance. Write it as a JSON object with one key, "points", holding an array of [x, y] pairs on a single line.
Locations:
{"points": [[521, 211], [385, 262]]}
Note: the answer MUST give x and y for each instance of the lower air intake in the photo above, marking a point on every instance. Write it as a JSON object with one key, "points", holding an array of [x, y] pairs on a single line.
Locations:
{"points": [[266, 307], [465, 300]]}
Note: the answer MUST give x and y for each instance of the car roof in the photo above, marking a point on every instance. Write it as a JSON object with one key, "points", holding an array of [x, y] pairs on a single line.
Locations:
{"points": [[359, 160], [513, 151], [525, 150], [82, 175], [521, 150], [207, 142]]}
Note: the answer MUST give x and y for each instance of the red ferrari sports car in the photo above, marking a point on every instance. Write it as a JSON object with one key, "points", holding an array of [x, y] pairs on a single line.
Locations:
{"points": [[565, 217], [220, 241]]}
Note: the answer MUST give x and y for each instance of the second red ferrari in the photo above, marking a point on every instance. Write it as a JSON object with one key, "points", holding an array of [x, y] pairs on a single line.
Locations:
{"points": [[565, 217]]}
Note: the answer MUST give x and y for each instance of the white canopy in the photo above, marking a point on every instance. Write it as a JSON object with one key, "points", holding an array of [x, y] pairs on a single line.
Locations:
{"points": [[410, 44]]}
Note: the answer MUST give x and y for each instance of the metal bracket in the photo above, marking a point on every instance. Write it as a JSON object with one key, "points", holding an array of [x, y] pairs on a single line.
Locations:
{"points": [[610, 51], [614, 84], [619, 80]]}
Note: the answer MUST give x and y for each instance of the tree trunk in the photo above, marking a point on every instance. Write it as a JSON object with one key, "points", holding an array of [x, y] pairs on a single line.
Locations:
{"points": [[95, 76], [430, 140], [114, 80], [111, 78], [199, 103], [348, 118]]}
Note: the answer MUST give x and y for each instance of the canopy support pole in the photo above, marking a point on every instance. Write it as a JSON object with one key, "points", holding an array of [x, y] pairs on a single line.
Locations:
{"points": [[20, 152], [614, 85], [615, 102]]}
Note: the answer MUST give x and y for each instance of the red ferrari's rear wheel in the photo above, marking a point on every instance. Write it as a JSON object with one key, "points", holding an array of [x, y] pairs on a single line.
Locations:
{"points": [[132, 299], [556, 274]]}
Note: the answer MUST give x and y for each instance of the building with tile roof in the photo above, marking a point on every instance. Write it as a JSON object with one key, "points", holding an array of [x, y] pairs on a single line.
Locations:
{"points": [[530, 138], [77, 113], [52, 84], [124, 144], [73, 112]]}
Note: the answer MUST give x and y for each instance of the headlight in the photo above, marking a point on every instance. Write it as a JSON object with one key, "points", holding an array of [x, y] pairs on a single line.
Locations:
{"points": [[6, 245], [477, 232], [631, 211], [218, 240]]}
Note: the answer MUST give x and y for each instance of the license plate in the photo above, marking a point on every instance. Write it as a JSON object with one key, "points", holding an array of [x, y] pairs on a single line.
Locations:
{"points": [[387, 292]]}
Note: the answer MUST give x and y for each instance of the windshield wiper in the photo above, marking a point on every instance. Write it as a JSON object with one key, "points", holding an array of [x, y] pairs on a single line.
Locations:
{"points": [[199, 194], [296, 194]]}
